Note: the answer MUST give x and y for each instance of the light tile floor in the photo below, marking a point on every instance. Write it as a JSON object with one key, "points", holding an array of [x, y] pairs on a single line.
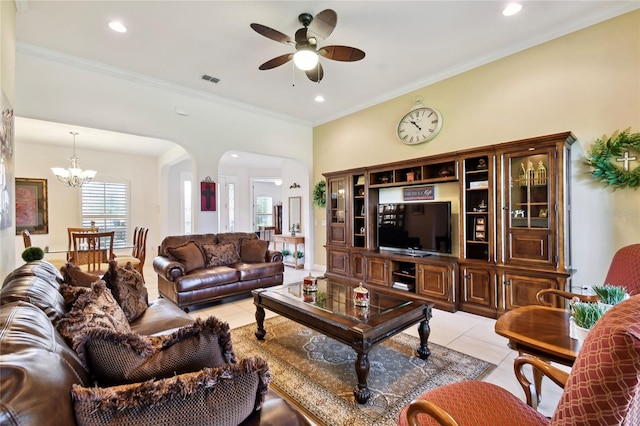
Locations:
{"points": [[467, 333]]}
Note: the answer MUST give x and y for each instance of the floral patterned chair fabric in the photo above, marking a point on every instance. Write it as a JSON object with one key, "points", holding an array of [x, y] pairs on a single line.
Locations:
{"points": [[602, 388]]}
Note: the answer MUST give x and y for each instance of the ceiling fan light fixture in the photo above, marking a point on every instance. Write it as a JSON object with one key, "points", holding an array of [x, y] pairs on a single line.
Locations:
{"points": [[305, 59], [512, 9]]}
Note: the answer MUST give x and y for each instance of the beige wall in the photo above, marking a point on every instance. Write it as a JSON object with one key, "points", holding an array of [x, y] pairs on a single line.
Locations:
{"points": [[587, 82]]}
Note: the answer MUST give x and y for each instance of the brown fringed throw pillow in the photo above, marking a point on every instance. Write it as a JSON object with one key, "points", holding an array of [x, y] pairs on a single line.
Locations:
{"points": [[74, 275], [220, 254], [221, 396], [127, 286], [94, 309], [189, 255], [118, 358], [253, 250]]}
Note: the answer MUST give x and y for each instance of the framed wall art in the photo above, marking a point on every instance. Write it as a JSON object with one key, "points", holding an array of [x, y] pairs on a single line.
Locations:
{"points": [[31, 206]]}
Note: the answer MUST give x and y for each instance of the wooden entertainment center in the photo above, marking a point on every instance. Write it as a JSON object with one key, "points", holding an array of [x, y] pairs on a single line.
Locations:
{"points": [[512, 234]]}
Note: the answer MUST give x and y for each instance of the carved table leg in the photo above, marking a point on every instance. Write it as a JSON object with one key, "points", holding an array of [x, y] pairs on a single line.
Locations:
{"points": [[424, 331], [361, 392], [260, 332]]}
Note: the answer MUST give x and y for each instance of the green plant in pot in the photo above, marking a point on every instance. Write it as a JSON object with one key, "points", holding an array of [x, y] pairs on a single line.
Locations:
{"points": [[610, 294], [285, 252], [299, 254], [32, 253], [584, 315]]}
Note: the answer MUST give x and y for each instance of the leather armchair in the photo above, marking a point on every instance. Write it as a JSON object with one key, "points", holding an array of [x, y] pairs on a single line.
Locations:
{"points": [[624, 271], [601, 389]]}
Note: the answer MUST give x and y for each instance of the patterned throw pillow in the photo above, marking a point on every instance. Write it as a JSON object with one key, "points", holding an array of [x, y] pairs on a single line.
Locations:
{"points": [[220, 254], [220, 396], [94, 309], [189, 255], [205, 343], [253, 250], [127, 286], [70, 293], [74, 275]]}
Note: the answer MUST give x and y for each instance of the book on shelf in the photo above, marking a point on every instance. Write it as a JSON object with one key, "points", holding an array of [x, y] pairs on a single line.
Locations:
{"points": [[479, 184], [399, 285]]}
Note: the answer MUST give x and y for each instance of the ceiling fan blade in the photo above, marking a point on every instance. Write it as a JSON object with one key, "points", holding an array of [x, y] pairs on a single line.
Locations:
{"points": [[316, 73], [276, 62], [341, 53], [272, 34], [324, 23]]}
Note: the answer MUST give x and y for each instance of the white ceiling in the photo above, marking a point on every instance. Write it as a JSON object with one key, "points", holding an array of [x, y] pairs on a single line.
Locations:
{"points": [[408, 45]]}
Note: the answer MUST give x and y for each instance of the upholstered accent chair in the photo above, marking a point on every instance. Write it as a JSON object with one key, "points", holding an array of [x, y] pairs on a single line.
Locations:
{"points": [[624, 271], [601, 389]]}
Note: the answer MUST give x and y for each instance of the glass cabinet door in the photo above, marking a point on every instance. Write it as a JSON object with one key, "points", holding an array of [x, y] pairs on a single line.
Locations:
{"points": [[529, 191], [337, 201], [529, 209]]}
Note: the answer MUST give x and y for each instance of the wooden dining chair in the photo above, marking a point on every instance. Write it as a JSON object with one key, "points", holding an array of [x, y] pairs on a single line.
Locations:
{"points": [[139, 251], [26, 237], [92, 251], [70, 231]]}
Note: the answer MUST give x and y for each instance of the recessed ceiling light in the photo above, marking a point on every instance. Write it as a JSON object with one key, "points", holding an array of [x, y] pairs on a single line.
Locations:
{"points": [[117, 26], [512, 9], [234, 155], [319, 98]]}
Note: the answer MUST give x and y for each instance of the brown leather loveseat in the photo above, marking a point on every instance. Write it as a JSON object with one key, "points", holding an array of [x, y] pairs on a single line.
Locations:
{"points": [[199, 268], [38, 368]]}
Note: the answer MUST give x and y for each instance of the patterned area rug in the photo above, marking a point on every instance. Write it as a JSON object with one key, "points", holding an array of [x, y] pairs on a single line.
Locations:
{"points": [[317, 373]]}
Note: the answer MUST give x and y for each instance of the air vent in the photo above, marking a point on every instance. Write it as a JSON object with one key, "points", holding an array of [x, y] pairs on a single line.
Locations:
{"points": [[211, 79]]}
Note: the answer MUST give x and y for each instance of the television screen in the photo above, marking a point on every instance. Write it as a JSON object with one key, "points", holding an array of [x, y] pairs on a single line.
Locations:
{"points": [[415, 228]]}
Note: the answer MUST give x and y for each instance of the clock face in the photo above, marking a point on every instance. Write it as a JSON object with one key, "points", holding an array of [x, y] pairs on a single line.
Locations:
{"points": [[419, 125]]}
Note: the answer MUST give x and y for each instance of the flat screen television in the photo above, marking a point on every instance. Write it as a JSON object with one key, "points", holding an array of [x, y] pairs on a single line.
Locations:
{"points": [[417, 229]]}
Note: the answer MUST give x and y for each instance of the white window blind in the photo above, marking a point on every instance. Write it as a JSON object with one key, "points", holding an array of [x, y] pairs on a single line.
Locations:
{"points": [[107, 204]]}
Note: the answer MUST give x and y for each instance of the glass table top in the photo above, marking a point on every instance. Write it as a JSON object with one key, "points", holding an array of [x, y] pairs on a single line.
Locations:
{"points": [[337, 298]]}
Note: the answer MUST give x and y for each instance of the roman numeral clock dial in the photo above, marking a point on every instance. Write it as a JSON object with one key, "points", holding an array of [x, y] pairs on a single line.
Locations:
{"points": [[421, 124]]}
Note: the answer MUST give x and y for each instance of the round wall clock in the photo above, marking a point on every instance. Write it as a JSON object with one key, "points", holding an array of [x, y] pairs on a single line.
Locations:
{"points": [[421, 124]]}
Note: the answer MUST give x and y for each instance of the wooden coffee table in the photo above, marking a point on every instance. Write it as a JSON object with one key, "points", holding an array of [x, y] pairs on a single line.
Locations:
{"points": [[330, 311]]}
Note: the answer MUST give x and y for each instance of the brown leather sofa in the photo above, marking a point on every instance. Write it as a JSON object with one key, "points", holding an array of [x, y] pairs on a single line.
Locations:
{"points": [[38, 368], [188, 281]]}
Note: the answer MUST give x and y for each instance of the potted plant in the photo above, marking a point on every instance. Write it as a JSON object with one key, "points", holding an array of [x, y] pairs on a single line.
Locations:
{"points": [[299, 254], [285, 253], [583, 316], [32, 253], [610, 295]]}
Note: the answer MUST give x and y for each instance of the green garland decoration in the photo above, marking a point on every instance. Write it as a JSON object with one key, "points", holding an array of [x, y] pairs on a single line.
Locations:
{"points": [[604, 169], [320, 194]]}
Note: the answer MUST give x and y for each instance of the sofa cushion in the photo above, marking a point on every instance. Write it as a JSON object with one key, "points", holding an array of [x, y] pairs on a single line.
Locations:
{"points": [[205, 343], [44, 294], [127, 286], [189, 255], [235, 238], [254, 271], [97, 308], [162, 314], [213, 396], [38, 268], [74, 275], [220, 254], [253, 250], [206, 278], [178, 240]]}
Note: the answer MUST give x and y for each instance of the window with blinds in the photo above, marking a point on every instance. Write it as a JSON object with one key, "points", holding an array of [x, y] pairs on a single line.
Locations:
{"points": [[107, 204]]}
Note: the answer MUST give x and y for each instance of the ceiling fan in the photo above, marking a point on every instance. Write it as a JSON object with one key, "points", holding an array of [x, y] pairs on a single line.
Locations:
{"points": [[306, 56]]}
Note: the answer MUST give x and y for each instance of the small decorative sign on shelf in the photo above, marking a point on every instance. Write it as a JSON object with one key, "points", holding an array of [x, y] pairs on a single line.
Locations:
{"points": [[419, 193]]}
